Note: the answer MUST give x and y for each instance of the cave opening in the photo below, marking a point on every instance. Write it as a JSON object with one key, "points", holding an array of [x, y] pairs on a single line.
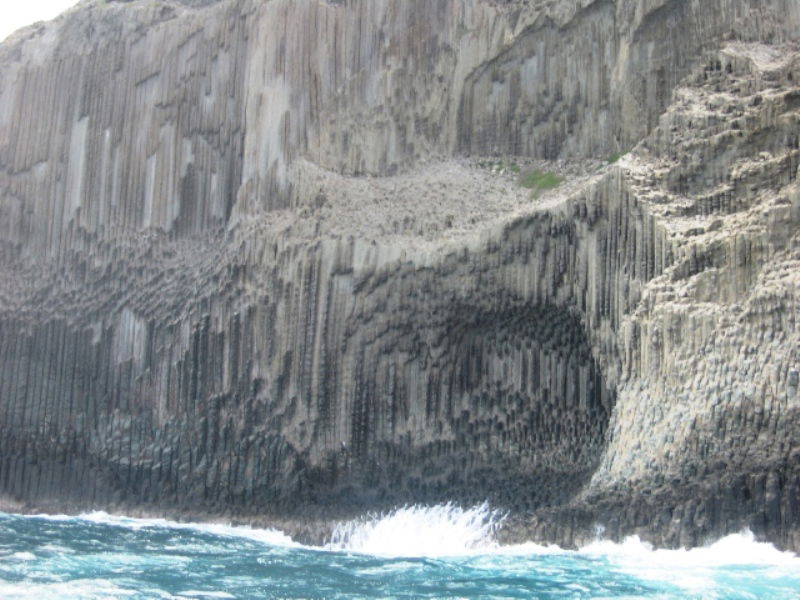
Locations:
{"points": [[513, 409]]}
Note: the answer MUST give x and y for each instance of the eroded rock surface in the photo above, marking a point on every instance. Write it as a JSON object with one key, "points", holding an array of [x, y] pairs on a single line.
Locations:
{"points": [[255, 263]]}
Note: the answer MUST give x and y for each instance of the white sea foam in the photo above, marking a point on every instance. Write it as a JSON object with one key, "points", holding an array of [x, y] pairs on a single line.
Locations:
{"points": [[85, 589], [442, 530], [724, 569], [696, 569], [734, 567], [448, 530], [272, 537], [203, 594], [23, 556], [733, 550]]}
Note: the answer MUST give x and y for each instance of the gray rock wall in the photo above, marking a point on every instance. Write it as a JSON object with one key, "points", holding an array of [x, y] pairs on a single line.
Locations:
{"points": [[244, 271], [141, 115], [470, 376]]}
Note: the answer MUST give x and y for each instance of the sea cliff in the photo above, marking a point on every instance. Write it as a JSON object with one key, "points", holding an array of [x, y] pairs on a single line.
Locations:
{"points": [[272, 262]]}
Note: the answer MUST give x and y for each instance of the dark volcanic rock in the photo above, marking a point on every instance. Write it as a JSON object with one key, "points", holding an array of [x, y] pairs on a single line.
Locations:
{"points": [[254, 266]]}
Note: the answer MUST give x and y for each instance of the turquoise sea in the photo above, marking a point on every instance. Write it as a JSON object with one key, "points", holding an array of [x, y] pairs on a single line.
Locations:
{"points": [[416, 552]]}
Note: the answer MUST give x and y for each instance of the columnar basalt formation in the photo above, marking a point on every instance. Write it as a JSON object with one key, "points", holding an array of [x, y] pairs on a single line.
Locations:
{"points": [[254, 264]]}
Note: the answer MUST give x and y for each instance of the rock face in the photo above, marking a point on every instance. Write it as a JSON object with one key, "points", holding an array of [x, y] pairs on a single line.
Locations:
{"points": [[252, 263]]}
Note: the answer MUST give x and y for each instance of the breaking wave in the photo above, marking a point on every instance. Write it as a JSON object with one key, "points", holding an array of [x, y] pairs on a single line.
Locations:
{"points": [[414, 551], [422, 531]]}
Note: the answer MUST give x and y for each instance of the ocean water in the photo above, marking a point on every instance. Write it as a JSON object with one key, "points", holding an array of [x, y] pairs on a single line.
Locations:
{"points": [[416, 552]]}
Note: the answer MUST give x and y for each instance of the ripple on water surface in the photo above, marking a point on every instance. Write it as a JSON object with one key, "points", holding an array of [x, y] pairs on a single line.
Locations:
{"points": [[415, 552]]}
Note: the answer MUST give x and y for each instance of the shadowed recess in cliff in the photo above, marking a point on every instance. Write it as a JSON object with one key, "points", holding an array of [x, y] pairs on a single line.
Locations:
{"points": [[514, 410], [330, 376], [505, 406]]}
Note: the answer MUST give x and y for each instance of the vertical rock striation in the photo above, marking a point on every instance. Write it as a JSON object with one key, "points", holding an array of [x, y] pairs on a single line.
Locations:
{"points": [[247, 266]]}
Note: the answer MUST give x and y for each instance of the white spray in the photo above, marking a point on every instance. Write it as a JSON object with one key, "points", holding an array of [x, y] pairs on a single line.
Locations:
{"points": [[442, 530]]}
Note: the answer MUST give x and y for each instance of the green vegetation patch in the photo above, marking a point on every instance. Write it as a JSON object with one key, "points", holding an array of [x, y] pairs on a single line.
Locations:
{"points": [[498, 165], [540, 180], [612, 158]]}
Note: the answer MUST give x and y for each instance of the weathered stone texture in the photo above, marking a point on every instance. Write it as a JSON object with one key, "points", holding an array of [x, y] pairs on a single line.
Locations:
{"points": [[246, 268]]}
